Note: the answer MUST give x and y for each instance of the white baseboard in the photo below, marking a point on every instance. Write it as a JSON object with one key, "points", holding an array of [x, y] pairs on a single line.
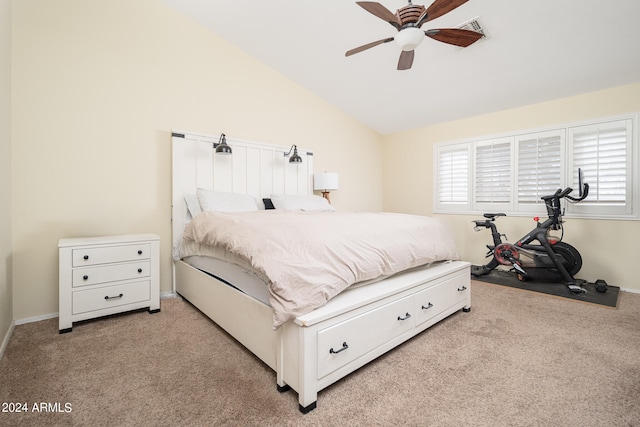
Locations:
{"points": [[167, 295], [36, 318], [633, 291], [6, 339]]}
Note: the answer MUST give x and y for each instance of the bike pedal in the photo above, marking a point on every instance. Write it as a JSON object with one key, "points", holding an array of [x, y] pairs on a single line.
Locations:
{"points": [[576, 289]]}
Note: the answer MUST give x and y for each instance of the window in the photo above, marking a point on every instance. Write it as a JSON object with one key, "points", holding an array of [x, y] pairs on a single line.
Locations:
{"points": [[493, 174], [512, 173], [453, 178], [539, 167], [603, 152]]}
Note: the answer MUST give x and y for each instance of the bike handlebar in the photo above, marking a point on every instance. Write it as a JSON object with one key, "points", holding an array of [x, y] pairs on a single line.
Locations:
{"points": [[585, 193], [561, 194], [564, 192]]}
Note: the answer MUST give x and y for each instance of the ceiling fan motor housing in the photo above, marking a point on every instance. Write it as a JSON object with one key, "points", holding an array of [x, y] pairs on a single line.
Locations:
{"points": [[410, 14]]}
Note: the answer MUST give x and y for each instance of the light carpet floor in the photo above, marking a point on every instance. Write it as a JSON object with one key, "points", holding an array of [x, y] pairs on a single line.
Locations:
{"points": [[517, 359]]}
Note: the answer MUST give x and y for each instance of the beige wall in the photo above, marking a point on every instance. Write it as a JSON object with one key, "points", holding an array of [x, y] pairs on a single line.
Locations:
{"points": [[98, 87], [408, 182], [6, 311]]}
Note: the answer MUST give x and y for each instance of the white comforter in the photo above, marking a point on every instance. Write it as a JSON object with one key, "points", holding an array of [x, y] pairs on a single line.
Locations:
{"points": [[306, 258]]}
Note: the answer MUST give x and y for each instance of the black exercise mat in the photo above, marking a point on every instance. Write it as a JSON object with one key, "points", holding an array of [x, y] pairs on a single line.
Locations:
{"points": [[547, 284]]}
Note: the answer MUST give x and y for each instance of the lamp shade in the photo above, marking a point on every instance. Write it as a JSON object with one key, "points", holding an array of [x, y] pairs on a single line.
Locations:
{"points": [[325, 181]]}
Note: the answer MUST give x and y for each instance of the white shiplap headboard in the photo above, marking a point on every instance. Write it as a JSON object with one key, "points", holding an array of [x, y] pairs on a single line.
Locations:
{"points": [[254, 168]]}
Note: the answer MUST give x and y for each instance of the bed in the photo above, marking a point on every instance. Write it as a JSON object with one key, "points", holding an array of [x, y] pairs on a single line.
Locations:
{"points": [[348, 325]]}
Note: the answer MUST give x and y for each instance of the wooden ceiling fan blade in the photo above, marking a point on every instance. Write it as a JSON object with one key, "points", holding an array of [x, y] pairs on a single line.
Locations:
{"points": [[381, 12], [441, 7], [406, 59], [368, 46], [455, 36]]}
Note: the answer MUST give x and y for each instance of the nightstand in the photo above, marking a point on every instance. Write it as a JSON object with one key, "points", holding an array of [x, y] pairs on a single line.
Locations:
{"points": [[105, 275]]}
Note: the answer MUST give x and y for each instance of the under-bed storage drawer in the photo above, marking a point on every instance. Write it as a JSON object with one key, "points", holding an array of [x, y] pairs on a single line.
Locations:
{"points": [[435, 299], [348, 340]]}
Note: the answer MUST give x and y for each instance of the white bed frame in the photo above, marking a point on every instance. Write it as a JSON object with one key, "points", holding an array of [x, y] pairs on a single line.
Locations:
{"points": [[320, 347]]}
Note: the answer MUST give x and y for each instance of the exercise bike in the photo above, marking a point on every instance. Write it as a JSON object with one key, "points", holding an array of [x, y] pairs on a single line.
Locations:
{"points": [[551, 253]]}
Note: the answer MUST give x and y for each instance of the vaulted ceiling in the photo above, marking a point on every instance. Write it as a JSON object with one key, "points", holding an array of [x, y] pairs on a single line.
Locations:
{"points": [[533, 51]]}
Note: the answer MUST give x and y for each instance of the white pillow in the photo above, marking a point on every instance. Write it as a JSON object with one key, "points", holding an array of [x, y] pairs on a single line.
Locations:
{"points": [[193, 205], [226, 202], [304, 203]]}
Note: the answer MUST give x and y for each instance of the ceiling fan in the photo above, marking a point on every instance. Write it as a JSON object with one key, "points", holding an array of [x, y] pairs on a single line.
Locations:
{"points": [[408, 20]]}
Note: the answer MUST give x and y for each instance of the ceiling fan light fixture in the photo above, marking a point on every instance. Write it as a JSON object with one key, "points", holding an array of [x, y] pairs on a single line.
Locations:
{"points": [[409, 19], [409, 38]]}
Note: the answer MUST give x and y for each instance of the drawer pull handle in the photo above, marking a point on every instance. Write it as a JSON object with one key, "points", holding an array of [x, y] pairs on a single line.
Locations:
{"points": [[116, 297], [86, 257], [462, 289], [427, 307], [139, 270], [139, 251], [344, 347], [406, 316], [85, 277]]}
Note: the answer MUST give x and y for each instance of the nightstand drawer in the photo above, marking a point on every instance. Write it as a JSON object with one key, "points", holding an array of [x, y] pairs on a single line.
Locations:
{"points": [[109, 254], [110, 296], [110, 273]]}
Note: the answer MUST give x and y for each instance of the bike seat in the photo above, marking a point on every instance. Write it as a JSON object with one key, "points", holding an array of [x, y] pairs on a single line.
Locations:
{"points": [[493, 215]]}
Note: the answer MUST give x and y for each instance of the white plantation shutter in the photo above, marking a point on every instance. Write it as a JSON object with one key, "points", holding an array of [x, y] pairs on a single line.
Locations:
{"points": [[510, 174], [539, 166], [493, 173], [603, 152], [452, 177]]}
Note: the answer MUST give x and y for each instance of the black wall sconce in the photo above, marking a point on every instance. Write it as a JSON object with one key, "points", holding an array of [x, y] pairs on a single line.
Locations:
{"points": [[221, 146], [295, 158]]}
